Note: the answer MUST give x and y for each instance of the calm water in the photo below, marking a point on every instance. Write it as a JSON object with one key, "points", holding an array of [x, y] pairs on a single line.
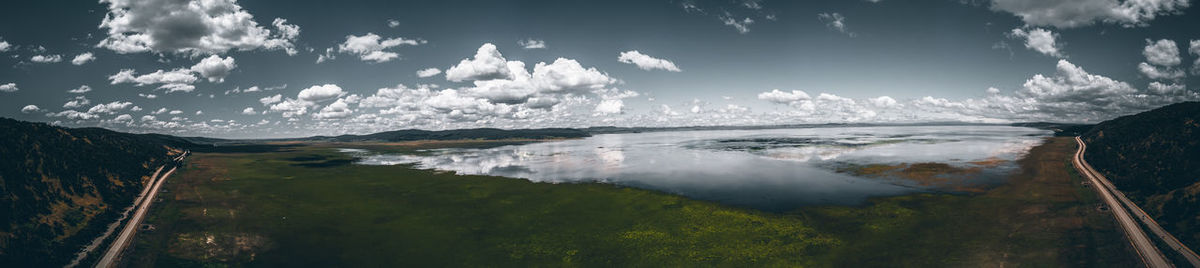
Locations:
{"points": [[766, 169]]}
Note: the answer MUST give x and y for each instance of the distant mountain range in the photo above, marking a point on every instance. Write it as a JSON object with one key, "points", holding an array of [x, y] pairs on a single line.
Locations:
{"points": [[1154, 157]]}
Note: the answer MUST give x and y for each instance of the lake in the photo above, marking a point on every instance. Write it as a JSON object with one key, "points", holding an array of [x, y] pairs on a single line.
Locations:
{"points": [[773, 170]]}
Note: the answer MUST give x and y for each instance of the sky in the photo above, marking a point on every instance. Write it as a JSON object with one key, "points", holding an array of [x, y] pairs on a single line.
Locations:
{"points": [[261, 69]]}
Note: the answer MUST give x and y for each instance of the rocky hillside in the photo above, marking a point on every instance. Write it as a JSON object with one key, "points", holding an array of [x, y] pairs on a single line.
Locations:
{"points": [[1154, 157], [60, 187]]}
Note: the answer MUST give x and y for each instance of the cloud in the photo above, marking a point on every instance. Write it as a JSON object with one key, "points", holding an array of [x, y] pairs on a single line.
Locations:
{"points": [[83, 58], [171, 81], [10, 87], [177, 76], [531, 43], [249, 111], [78, 101], [328, 55], [391, 23], [215, 68], [428, 72], [80, 90], [1163, 56], [124, 118], [5, 46], [74, 115], [337, 109], [190, 27], [271, 99], [1163, 52], [1039, 40], [1194, 49], [567, 75], [1072, 83], [645, 62], [372, 47], [319, 93], [170, 88], [742, 26], [109, 108], [254, 89], [836, 22], [291, 107], [487, 64], [783, 97], [1069, 94], [610, 107], [1078, 13], [1166, 89], [1153, 72], [752, 4], [883, 102], [30, 109], [46, 58]]}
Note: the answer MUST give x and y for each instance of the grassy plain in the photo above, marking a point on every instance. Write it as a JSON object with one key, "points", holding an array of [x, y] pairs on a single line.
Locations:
{"points": [[306, 205]]}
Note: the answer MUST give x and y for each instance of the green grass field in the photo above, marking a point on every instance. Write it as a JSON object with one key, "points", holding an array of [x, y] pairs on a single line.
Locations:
{"points": [[307, 206]]}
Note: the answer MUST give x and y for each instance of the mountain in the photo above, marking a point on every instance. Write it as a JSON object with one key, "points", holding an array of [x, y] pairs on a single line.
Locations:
{"points": [[1154, 157], [61, 187]]}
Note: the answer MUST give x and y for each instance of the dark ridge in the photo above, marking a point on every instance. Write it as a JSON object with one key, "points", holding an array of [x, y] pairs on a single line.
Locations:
{"points": [[61, 187], [1154, 157]]}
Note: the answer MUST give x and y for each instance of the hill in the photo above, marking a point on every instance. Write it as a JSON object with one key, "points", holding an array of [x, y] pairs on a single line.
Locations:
{"points": [[1154, 157], [60, 187]]}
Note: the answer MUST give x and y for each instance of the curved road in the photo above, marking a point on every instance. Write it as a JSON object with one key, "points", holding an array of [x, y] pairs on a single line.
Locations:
{"points": [[1140, 241], [118, 245], [113, 226], [1137, 212]]}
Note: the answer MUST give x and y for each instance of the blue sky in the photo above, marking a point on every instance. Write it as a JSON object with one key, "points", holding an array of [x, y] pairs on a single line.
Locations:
{"points": [[264, 69]]}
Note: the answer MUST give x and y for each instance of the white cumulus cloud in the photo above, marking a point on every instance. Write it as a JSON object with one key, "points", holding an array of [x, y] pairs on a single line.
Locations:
{"points": [[46, 58], [610, 107], [30, 109], [83, 58], [1078, 13], [428, 72], [190, 26], [320, 93], [646, 62], [531, 43], [1040, 40], [80, 90], [784, 97], [371, 47], [1163, 52], [487, 64], [215, 68]]}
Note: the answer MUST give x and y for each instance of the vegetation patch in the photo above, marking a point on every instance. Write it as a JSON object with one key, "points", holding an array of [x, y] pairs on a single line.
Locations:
{"points": [[399, 216]]}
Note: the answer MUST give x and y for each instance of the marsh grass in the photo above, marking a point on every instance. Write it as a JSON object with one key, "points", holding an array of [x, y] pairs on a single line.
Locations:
{"points": [[387, 216]]}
